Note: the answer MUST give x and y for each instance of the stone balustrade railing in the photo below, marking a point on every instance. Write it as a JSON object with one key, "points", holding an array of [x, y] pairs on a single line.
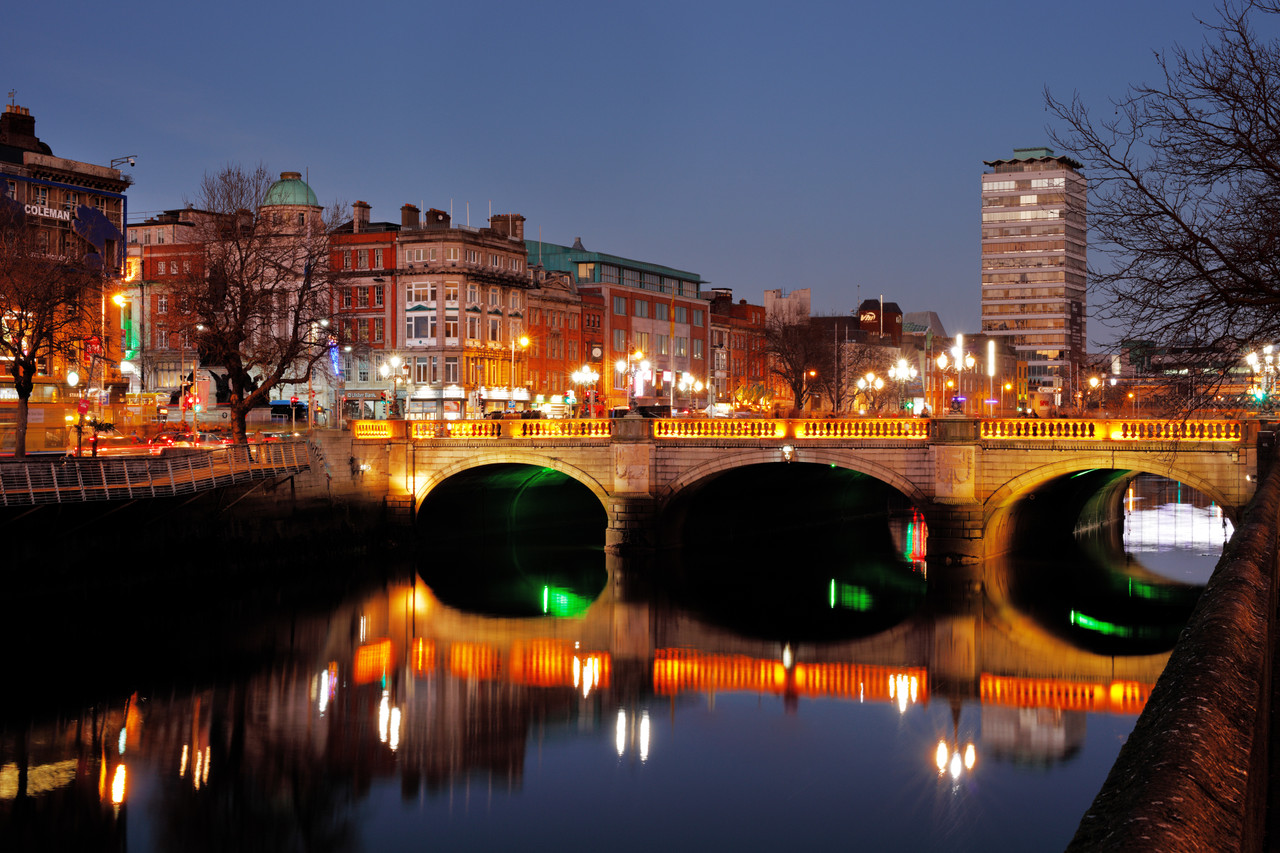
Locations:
{"points": [[855, 429]]}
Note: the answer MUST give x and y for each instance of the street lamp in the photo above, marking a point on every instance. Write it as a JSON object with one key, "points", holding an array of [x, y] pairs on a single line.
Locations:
{"points": [[1264, 376], [585, 376], [523, 341], [902, 373], [959, 362], [689, 382], [1094, 384], [869, 384], [391, 369], [635, 368]]}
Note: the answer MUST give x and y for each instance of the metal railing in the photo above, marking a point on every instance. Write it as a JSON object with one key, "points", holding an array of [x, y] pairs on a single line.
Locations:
{"points": [[81, 479]]}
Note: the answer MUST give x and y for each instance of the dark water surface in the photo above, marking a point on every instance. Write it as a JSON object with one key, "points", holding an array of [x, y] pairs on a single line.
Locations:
{"points": [[735, 694]]}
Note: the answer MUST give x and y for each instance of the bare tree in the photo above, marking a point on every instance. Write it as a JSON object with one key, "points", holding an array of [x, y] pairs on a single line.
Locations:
{"points": [[795, 355], [1185, 180], [47, 309], [258, 302]]}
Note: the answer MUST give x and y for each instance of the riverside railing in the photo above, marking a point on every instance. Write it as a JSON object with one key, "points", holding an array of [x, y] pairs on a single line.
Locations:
{"points": [[80, 479], [1040, 430]]}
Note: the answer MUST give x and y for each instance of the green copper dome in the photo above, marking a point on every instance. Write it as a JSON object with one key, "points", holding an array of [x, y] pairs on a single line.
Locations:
{"points": [[290, 189]]}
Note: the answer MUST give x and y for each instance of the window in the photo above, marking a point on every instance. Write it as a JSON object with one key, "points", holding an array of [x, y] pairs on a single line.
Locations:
{"points": [[451, 255], [70, 202], [495, 298], [450, 291], [640, 308], [435, 368], [620, 340], [697, 316], [418, 327], [378, 328], [362, 259], [473, 257], [421, 370], [473, 328], [362, 297], [473, 293], [620, 306], [451, 369], [162, 304], [433, 324], [660, 311], [642, 342], [663, 344], [495, 329], [346, 259], [420, 291], [682, 347], [346, 297], [697, 347], [377, 295], [377, 258], [681, 314], [514, 301], [451, 326]]}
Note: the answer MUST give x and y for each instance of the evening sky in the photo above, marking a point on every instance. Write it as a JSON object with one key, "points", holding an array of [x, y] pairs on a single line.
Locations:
{"points": [[762, 145]]}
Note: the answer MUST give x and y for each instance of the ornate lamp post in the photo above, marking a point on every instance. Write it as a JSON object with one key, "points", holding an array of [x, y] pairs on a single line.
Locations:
{"points": [[690, 383], [868, 385], [1264, 376], [902, 373], [391, 370], [959, 362], [585, 376], [635, 368], [523, 341]]}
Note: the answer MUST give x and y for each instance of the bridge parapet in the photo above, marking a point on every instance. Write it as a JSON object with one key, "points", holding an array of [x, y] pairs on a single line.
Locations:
{"points": [[1095, 429]]}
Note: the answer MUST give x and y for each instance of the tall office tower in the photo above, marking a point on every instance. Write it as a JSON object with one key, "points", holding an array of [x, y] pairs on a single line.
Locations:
{"points": [[1033, 263]]}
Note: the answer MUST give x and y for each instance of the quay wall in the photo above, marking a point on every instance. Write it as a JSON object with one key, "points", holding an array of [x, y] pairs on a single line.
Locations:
{"points": [[1193, 775]]}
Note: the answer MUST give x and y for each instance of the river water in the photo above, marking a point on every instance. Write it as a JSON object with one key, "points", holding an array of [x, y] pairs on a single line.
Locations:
{"points": [[483, 698]]}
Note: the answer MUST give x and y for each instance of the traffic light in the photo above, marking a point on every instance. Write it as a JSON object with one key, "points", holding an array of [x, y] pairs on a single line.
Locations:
{"points": [[909, 405], [195, 402], [293, 401]]}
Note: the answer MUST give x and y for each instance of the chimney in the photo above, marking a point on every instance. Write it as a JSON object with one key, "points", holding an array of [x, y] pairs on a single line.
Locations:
{"points": [[359, 217], [409, 217], [509, 225], [437, 219]]}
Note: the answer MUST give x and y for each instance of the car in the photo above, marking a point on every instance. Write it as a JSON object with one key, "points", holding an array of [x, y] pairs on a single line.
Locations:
{"points": [[115, 444]]}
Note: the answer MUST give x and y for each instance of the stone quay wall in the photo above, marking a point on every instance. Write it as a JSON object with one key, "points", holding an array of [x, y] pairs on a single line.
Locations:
{"points": [[1194, 774]]}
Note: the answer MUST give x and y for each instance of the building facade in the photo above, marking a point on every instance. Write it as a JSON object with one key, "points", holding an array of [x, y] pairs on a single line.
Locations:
{"points": [[78, 211], [652, 315], [1034, 262]]}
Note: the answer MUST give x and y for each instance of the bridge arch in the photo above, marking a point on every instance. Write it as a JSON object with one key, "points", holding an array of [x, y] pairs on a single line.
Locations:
{"points": [[999, 504], [847, 459], [508, 457]]}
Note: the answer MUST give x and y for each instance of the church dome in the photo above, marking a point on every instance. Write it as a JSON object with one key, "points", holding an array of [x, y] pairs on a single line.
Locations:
{"points": [[292, 190]]}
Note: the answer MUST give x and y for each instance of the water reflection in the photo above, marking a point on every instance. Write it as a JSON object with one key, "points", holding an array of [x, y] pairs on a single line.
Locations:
{"points": [[678, 701]]}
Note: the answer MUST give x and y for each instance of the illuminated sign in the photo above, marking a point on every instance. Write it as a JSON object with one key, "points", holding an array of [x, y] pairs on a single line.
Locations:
{"points": [[47, 212], [867, 316]]}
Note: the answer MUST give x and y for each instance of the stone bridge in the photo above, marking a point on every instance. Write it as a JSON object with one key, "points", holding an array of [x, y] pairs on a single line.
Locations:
{"points": [[966, 475]]}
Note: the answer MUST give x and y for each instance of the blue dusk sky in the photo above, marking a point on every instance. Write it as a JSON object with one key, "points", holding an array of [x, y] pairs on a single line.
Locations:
{"points": [[833, 146]]}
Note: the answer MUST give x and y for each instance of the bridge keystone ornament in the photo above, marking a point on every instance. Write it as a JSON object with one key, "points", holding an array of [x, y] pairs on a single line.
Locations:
{"points": [[953, 474]]}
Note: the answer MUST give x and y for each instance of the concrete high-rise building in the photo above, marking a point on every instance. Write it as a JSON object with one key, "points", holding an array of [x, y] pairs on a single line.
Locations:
{"points": [[1033, 262]]}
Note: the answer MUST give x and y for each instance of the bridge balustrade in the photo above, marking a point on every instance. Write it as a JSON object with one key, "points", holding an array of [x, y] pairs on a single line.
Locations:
{"points": [[853, 429], [1091, 429]]}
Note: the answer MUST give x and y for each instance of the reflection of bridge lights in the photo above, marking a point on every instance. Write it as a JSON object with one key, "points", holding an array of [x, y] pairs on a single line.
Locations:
{"points": [[622, 735], [326, 686], [117, 785], [905, 690], [953, 761], [849, 596], [121, 743], [182, 763], [586, 673], [388, 722]]}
